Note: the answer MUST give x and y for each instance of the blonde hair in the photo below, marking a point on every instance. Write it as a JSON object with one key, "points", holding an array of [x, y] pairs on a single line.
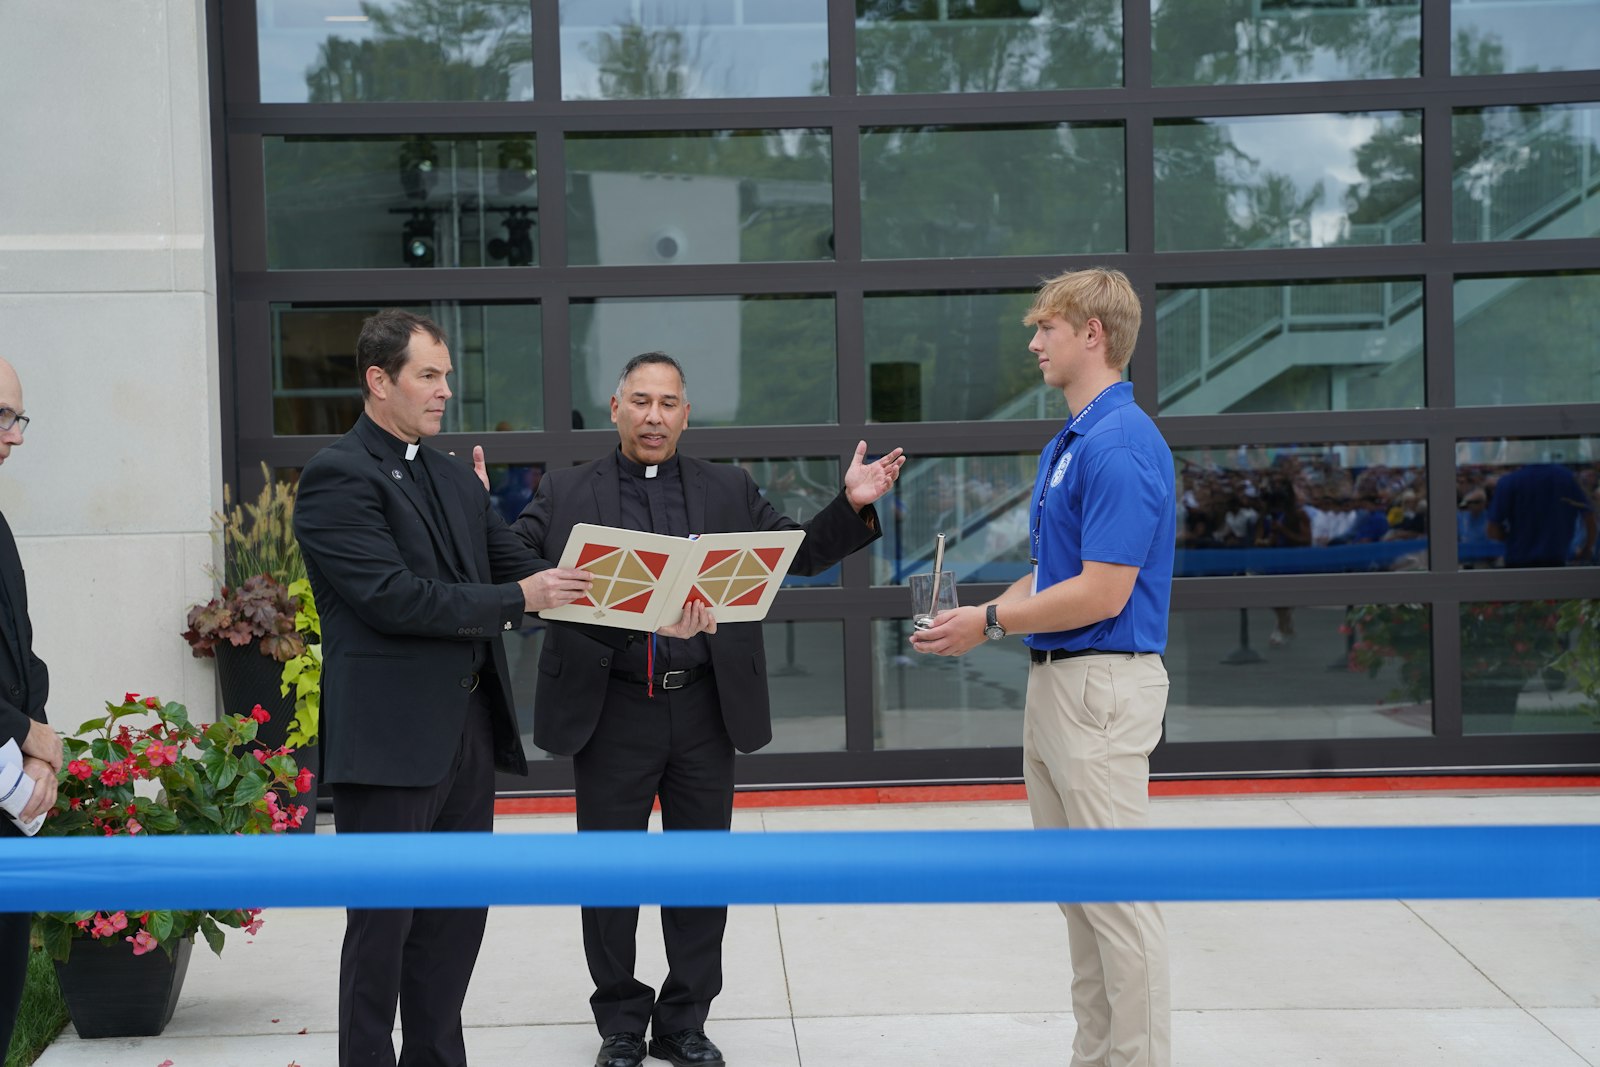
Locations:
{"points": [[1095, 293]]}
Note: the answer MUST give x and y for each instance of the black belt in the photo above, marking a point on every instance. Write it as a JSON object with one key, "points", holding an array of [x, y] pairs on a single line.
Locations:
{"points": [[669, 680], [1039, 655]]}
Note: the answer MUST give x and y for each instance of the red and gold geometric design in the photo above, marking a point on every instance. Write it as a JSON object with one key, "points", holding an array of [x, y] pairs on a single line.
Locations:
{"points": [[735, 578], [624, 578]]}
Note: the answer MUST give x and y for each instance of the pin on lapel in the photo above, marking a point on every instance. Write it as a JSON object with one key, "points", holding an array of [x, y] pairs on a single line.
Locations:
{"points": [[396, 474]]}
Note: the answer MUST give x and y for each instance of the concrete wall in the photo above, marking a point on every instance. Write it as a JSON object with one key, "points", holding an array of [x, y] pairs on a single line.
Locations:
{"points": [[108, 312]]}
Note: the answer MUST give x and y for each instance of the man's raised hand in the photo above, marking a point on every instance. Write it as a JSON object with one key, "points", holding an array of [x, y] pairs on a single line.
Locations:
{"points": [[865, 482]]}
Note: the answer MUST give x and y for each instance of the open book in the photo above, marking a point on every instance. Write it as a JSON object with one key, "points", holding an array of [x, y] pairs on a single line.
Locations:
{"points": [[643, 580]]}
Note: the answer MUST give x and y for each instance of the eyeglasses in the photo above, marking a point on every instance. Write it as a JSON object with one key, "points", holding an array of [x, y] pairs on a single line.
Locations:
{"points": [[9, 418]]}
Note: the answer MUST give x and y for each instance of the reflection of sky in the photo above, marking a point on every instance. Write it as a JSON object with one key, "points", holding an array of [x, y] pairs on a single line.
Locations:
{"points": [[1535, 34], [1308, 149], [744, 48], [291, 34]]}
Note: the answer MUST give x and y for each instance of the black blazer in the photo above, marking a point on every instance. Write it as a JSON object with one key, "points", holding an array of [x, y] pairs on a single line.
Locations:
{"points": [[397, 626], [24, 679], [575, 666]]}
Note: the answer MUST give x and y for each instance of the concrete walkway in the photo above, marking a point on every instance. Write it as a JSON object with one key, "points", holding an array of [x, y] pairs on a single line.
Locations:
{"points": [[1341, 984]]}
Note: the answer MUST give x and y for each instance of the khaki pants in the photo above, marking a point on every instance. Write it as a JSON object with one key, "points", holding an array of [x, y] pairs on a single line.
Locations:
{"points": [[1090, 724]]}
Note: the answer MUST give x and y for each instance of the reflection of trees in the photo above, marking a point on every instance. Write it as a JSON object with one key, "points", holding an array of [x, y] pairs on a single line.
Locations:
{"points": [[1208, 42], [639, 64], [905, 46], [933, 192], [1219, 197], [426, 50]]}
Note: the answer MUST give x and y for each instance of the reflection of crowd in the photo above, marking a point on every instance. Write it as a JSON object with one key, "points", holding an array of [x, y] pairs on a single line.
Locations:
{"points": [[1300, 501], [1545, 516]]}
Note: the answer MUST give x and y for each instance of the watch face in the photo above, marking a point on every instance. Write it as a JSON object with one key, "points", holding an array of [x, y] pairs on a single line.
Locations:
{"points": [[993, 633]]}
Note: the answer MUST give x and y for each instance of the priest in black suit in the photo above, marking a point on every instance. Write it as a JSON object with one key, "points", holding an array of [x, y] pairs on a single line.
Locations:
{"points": [[24, 685], [633, 735], [416, 576]]}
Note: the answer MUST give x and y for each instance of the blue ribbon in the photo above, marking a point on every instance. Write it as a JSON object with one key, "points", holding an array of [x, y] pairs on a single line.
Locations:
{"points": [[703, 868]]}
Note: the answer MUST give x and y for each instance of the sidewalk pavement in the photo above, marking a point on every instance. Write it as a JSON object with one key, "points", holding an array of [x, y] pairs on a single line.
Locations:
{"points": [[1278, 984]]}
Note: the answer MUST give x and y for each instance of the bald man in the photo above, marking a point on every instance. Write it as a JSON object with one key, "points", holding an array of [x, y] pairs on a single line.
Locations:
{"points": [[24, 684]]}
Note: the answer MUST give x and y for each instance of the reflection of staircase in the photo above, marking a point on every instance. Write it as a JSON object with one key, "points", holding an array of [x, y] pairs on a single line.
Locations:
{"points": [[1219, 345]]}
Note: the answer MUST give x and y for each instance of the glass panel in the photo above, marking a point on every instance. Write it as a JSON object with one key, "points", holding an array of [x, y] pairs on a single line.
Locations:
{"points": [[941, 191], [673, 50], [1308, 346], [1218, 43], [1521, 36], [512, 485], [356, 202], [751, 360], [987, 46], [1273, 674], [350, 51], [1526, 173], [1515, 676], [798, 488], [1528, 340], [719, 196], [805, 662], [1289, 181], [923, 701], [1528, 502], [1302, 509], [980, 504], [498, 380], [925, 359]]}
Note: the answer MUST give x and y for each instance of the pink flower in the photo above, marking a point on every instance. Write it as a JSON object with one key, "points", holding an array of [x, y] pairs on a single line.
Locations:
{"points": [[79, 769], [159, 754], [114, 774], [152, 703], [130, 698], [260, 754], [134, 825], [302, 781], [253, 926], [260, 714], [142, 942]]}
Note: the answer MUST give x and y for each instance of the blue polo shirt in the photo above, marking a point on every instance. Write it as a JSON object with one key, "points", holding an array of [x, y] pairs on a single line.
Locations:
{"points": [[1539, 507], [1105, 492]]}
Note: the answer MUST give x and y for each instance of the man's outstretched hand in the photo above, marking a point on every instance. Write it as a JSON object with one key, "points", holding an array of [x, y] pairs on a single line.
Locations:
{"points": [[865, 482]]}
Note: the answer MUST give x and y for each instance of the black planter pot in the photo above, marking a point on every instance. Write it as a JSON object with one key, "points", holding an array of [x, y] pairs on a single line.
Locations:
{"points": [[248, 678], [110, 992]]}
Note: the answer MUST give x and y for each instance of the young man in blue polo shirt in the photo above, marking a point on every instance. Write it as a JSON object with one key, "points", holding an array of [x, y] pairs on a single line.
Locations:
{"points": [[1094, 612]]}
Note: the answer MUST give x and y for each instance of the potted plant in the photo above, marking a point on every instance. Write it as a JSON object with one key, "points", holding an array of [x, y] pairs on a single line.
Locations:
{"points": [[250, 626], [120, 971], [1503, 645]]}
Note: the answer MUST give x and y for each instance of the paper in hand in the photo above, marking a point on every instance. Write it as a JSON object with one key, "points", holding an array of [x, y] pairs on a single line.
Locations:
{"points": [[16, 788]]}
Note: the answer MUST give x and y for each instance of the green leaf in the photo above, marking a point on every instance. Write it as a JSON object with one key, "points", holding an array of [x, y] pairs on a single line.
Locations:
{"points": [[251, 788], [212, 933], [160, 925], [56, 938], [101, 749]]}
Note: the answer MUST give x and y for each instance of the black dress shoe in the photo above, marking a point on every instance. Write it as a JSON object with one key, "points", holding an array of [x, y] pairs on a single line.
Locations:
{"points": [[687, 1048], [621, 1050]]}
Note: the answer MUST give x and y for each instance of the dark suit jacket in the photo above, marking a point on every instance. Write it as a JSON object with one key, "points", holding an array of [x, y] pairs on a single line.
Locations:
{"points": [[397, 626], [24, 679], [575, 665]]}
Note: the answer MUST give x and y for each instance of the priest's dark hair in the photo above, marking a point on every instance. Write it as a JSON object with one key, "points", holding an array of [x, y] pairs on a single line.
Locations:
{"points": [[385, 342], [652, 357]]}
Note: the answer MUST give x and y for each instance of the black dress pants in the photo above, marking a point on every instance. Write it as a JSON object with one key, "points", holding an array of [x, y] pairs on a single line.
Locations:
{"points": [[419, 959], [674, 746], [13, 957]]}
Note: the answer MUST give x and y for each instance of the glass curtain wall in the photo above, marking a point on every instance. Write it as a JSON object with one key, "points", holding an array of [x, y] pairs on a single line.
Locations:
{"points": [[1366, 234]]}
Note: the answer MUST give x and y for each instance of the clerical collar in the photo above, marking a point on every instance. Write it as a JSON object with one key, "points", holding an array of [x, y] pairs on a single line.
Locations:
{"points": [[404, 448], [639, 470]]}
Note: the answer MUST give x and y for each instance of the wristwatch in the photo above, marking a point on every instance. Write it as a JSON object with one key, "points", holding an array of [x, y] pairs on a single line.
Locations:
{"points": [[991, 625]]}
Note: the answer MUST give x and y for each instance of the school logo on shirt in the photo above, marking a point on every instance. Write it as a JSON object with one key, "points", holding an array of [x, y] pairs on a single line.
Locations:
{"points": [[1061, 470]]}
